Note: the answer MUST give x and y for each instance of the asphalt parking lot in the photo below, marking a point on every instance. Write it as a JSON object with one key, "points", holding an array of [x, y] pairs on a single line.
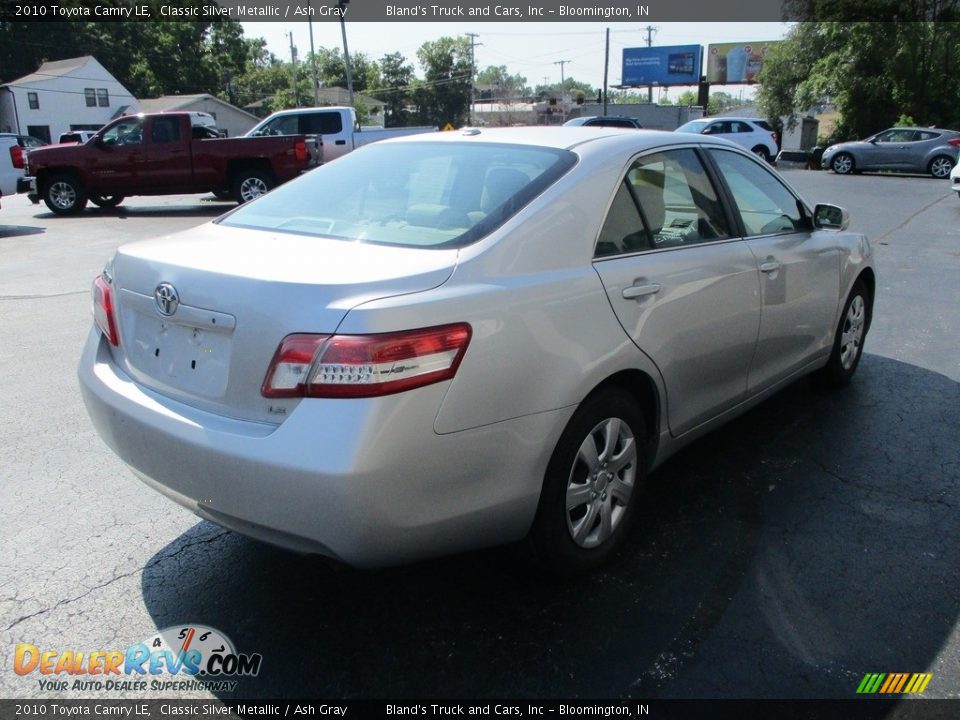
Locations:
{"points": [[808, 543]]}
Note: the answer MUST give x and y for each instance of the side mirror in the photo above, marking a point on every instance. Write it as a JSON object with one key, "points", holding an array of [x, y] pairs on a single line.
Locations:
{"points": [[830, 217]]}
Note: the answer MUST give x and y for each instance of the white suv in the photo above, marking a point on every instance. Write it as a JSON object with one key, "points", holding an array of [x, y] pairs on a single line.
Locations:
{"points": [[755, 135]]}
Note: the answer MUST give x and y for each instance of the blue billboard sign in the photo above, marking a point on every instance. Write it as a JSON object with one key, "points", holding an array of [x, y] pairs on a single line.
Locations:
{"points": [[666, 65]]}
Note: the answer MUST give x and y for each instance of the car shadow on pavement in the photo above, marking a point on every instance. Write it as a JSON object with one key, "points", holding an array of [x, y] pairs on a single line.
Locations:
{"points": [[785, 555], [7, 231]]}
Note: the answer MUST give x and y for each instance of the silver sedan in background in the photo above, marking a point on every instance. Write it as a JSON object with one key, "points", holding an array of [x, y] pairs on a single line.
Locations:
{"points": [[904, 149], [447, 342]]}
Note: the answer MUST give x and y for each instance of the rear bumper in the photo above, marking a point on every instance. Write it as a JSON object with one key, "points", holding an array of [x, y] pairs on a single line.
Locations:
{"points": [[27, 185], [368, 482]]}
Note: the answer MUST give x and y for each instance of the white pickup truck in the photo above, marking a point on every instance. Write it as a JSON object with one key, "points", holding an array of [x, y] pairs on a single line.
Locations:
{"points": [[336, 129]]}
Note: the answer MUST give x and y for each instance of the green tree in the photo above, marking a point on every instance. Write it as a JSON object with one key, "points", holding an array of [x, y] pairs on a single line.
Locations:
{"points": [[396, 78], [502, 85], [873, 72], [444, 96]]}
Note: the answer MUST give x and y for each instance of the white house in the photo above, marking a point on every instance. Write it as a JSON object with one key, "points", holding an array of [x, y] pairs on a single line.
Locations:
{"points": [[229, 118], [74, 94]]}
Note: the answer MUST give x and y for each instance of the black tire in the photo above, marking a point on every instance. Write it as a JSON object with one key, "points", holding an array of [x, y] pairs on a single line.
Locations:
{"points": [[940, 167], [761, 152], [106, 201], [588, 498], [849, 338], [251, 184], [64, 195], [843, 164]]}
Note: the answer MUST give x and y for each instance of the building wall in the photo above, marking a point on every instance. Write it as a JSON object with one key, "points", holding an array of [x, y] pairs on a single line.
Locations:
{"points": [[62, 101], [230, 119], [8, 113]]}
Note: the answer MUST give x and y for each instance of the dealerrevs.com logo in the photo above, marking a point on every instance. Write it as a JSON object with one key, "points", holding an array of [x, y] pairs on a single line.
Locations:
{"points": [[184, 657]]}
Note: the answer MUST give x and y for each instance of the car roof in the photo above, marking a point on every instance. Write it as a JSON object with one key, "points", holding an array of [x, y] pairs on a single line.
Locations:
{"points": [[565, 137]]}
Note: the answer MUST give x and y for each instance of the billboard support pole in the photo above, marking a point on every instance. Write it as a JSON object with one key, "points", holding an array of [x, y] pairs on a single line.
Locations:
{"points": [[703, 93], [606, 68]]}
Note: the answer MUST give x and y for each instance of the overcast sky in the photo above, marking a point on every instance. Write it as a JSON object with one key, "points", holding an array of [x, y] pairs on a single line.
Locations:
{"points": [[527, 48]]}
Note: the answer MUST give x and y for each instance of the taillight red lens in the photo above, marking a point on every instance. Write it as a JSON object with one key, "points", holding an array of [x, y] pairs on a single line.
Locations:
{"points": [[103, 309], [300, 151], [774, 136], [955, 142], [16, 156], [352, 366]]}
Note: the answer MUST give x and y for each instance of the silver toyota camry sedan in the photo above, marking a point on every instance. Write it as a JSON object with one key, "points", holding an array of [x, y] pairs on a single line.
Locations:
{"points": [[446, 342]]}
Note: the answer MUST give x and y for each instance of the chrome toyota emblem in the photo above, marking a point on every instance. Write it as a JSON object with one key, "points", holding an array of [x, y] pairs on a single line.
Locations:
{"points": [[166, 298]]}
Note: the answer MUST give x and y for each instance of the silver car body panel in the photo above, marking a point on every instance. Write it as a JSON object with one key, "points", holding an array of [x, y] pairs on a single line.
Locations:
{"points": [[458, 464]]}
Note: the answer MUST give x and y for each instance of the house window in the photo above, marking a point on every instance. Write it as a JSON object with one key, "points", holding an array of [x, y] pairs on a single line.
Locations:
{"points": [[91, 97], [103, 98], [33, 100]]}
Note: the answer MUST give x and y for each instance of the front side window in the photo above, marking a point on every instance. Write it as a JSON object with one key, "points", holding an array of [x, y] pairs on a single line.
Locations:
{"points": [[91, 97], [896, 136], [416, 194], [125, 132], [666, 200], [765, 205]]}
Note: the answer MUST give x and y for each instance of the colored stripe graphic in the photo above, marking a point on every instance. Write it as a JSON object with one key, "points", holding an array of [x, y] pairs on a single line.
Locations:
{"points": [[870, 683], [894, 683]]}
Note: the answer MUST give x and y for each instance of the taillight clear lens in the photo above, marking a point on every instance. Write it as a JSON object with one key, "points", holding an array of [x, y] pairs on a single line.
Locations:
{"points": [[16, 156], [103, 310], [350, 366]]}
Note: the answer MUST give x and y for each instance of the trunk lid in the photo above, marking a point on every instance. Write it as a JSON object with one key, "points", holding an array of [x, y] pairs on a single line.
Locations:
{"points": [[233, 294]]}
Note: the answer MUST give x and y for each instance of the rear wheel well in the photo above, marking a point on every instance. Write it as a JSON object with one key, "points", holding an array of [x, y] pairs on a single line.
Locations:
{"points": [[870, 280], [239, 166], [643, 391]]}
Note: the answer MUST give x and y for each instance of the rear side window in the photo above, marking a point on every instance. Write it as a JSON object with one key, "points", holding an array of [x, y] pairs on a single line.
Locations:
{"points": [[666, 200], [326, 123], [765, 205], [414, 194]]}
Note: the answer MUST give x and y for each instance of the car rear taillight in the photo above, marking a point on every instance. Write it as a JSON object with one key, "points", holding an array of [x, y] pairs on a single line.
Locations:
{"points": [[16, 156], [103, 309], [774, 136], [955, 142], [353, 366], [300, 151]]}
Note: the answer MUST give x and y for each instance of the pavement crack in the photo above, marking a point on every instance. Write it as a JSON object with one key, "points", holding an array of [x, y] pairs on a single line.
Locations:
{"points": [[156, 561]]}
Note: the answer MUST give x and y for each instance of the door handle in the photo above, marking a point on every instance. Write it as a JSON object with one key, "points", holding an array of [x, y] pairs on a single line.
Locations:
{"points": [[638, 291], [340, 142], [770, 266]]}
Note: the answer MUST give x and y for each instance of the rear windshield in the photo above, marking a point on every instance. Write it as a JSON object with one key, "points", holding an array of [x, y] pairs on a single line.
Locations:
{"points": [[412, 194], [764, 124]]}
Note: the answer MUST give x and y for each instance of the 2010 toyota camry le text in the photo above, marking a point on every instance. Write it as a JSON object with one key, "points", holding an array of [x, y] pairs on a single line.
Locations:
{"points": [[446, 342]]}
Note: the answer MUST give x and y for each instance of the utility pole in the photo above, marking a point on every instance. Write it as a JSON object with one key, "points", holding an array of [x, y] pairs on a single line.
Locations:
{"points": [[293, 70], [473, 74], [313, 56], [342, 4], [563, 107], [650, 31]]}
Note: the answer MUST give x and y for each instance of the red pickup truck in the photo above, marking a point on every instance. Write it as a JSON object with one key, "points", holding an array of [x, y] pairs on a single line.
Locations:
{"points": [[160, 154]]}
